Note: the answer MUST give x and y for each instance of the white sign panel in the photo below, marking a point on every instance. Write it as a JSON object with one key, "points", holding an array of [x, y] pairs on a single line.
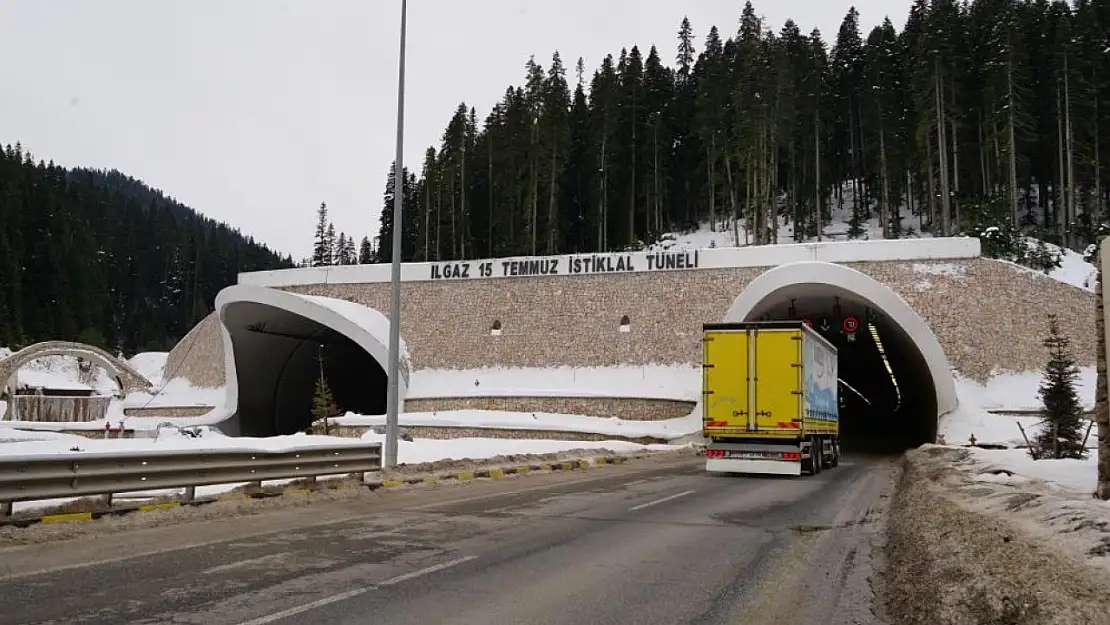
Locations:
{"points": [[620, 263], [571, 265]]}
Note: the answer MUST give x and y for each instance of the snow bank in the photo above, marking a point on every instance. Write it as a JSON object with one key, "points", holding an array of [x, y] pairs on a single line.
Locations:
{"points": [[167, 440], [669, 429], [1018, 391], [431, 450], [1012, 391], [176, 392], [151, 365], [1077, 476], [648, 381]]}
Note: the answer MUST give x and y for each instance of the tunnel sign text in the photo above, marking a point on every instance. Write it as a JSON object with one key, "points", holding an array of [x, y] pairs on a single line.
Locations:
{"points": [[572, 265]]}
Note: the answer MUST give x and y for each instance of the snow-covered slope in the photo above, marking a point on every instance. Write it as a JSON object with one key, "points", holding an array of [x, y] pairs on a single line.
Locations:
{"points": [[1074, 270]]}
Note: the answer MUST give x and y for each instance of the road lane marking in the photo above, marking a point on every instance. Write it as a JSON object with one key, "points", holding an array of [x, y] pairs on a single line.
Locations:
{"points": [[7, 574], [343, 596], [663, 500]]}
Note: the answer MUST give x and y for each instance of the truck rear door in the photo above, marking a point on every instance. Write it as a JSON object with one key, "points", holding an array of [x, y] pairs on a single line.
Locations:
{"points": [[725, 384], [778, 384]]}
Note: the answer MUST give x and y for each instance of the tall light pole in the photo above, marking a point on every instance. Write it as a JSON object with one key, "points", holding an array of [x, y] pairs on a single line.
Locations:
{"points": [[392, 399]]}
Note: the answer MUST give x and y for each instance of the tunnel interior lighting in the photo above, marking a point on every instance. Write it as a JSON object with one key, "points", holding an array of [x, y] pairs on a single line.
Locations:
{"points": [[855, 391], [886, 363]]}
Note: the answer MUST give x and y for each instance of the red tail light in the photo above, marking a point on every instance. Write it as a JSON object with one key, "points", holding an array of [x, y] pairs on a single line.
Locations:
{"points": [[791, 455], [714, 453]]}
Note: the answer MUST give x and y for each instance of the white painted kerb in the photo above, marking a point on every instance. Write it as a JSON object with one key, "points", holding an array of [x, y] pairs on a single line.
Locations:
{"points": [[369, 336], [880, 296]]}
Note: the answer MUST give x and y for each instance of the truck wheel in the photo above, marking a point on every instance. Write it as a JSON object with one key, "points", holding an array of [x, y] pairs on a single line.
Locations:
{"points": [[808, 466], [836, 455]]}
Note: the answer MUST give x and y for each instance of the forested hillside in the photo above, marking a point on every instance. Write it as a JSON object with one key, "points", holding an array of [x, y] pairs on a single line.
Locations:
{"points": [[985, 113], [102, 258]]}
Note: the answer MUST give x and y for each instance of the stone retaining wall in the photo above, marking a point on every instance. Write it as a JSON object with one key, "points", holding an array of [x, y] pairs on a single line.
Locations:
{"points": [[446, 433], [630, 408], [986, 314], [175, 412]]}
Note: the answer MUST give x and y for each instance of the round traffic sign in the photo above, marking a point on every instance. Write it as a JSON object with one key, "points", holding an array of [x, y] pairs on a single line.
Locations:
{"points": [[850, 324], [806, 320]]}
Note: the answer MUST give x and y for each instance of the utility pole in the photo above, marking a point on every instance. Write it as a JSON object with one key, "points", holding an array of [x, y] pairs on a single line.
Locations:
{"points": [[392, 399]]}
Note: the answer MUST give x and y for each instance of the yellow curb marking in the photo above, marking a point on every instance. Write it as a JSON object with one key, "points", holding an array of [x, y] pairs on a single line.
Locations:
{"points": [[62, 518], [147, 507]]}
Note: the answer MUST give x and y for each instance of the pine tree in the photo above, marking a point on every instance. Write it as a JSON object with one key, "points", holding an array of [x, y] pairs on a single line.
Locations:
{"points": [[1062, 431], [937, 122], [331, 245], [324, 406], [350, 254], [365, 252], [321, 248]]}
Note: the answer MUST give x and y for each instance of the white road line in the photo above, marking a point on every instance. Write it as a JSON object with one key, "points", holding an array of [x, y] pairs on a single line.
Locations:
{"points": [[663, 500], [277, 616]]}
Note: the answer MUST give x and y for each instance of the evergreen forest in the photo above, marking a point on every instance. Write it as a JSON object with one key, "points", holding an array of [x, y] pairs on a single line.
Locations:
{"points": [[99, 257], [972, 117]]}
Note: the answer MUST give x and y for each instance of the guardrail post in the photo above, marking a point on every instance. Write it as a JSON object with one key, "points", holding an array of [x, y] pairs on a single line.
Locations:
{"points": [[189, 495], [6, 508], [108, 500]]}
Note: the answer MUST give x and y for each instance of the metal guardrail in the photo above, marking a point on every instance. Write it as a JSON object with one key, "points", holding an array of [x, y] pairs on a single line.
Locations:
{"points": [[85, 474]]}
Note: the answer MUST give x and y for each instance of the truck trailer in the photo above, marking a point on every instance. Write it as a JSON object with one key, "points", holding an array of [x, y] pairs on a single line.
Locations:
{"points": [[769, 394]]}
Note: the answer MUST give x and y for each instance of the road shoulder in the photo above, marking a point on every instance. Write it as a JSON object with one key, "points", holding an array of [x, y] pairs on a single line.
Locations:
{"points": [[949, 563]]}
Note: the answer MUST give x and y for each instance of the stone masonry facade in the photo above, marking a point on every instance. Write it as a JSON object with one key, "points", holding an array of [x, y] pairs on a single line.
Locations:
{"points": [[987, 315], [630, 408]]}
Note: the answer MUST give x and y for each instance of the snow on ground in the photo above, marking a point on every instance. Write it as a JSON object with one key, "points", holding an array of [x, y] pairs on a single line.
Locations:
{"points": [[62, 372], [1016, 391], [1008, 391], [176, 392], [168, 440], [669, 429], [1073, 269], [836, 230], [651, 381], [150, 365], [1075, 476], [431, 450]]}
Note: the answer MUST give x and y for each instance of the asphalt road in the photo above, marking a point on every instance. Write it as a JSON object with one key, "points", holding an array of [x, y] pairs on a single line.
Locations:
{"points": [[656, 541]]}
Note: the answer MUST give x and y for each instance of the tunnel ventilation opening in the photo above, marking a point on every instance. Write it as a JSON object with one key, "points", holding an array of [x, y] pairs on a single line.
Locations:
{"points": [[888, 402], [280, 356]]}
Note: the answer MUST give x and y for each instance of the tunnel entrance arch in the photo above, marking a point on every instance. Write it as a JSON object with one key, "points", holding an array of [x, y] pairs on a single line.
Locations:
{"points": [[277, 345], [896, 379]]}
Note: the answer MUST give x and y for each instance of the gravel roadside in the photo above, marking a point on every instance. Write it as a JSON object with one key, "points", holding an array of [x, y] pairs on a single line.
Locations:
{"points": [[949, 564]]}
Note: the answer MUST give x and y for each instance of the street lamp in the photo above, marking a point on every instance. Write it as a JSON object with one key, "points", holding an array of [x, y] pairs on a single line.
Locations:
{"points": [[392, 399]]}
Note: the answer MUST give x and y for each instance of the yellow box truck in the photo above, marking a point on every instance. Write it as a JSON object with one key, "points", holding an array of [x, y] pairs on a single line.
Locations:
{"points": [[770, 400]]}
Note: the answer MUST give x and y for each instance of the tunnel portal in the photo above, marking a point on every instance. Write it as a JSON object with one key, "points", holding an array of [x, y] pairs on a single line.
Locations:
{"points": [[280, 344], [892, 389]]}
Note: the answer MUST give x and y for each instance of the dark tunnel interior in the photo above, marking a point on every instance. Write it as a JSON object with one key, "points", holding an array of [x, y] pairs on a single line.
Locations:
{"points": [[278, 360], [887, 404]]}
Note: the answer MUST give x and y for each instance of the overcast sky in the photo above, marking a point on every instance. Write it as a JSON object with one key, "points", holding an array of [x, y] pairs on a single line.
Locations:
{"points": [[255, 111]]}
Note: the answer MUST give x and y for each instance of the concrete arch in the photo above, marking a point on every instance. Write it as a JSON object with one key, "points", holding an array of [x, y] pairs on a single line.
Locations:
{"points": [[127, 377], [839, 277], [294, 324]]}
